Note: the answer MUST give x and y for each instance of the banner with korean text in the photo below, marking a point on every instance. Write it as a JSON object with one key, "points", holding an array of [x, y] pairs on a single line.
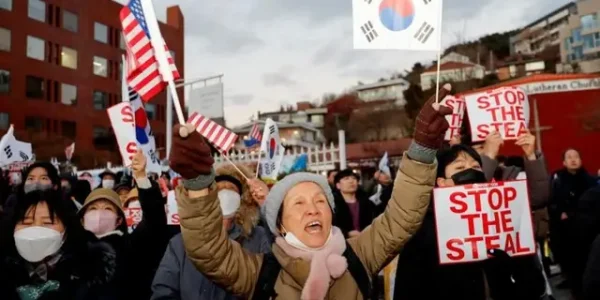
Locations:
{"points": [[504, 110], [472, 219]]}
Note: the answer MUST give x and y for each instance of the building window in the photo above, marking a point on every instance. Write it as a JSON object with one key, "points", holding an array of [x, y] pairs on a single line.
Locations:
{"points": [[36, 48], [100, 66], [68, 94], [589, 21], [70, 21], [4, 39], [4, 121], [6, 4], [577, 53], [588, 41], [576, 33], [33, 123], [122, 42], [37, 10], [100, 100], [151, 111], [101, 137], [100, 32], [69, 129], [68, 58], [567, 43], [34, 87], [317, 120], [4, 81]]}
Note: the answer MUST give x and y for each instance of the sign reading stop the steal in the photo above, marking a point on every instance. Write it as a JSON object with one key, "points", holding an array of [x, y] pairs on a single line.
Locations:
{"points": [[471, 219], [504, 110]]}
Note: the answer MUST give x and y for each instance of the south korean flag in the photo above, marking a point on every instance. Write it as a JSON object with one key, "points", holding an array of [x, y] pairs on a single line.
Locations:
{"points": [[397, 24], [13, 150]]}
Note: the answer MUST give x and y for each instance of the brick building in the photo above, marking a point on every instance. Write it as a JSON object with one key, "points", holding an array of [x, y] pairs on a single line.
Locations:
{"points": [[60, 69]]}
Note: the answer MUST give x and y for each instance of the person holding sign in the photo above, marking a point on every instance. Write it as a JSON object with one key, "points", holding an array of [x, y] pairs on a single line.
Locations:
{"points": [[421, 275], [309, 251], [139, 252]]}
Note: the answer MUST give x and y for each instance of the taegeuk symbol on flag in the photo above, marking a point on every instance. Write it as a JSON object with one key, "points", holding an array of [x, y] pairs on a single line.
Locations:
{"points": [[397, 24]]}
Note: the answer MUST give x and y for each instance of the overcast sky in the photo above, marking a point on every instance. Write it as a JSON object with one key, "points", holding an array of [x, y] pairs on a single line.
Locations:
{"points": [[285, 51]]}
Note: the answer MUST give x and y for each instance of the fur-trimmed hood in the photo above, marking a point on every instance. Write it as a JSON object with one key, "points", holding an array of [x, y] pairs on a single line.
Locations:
{"points": [[248, 215]]}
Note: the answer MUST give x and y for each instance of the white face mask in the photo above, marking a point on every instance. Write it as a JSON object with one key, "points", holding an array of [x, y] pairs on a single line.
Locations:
{"points": [[230, 202], [36, 243], [108, 183], [293, 241]]}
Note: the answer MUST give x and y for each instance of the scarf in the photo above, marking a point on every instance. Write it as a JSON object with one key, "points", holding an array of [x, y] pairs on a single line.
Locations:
{"points": [[325, 263]]}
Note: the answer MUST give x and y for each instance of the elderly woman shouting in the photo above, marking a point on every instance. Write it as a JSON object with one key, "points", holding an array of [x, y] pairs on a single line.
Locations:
{"points": [[311, 259]]}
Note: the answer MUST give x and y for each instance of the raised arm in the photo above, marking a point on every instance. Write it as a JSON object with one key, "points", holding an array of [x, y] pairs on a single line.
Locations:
{"points": [[379, 243], [206, 242]]}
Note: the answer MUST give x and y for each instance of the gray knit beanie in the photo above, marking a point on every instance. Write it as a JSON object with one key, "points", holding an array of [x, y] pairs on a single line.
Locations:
{"points": [[270, 208]]}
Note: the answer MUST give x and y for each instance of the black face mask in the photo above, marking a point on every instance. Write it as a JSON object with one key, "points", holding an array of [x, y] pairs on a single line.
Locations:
{"points": [[468, 176]]}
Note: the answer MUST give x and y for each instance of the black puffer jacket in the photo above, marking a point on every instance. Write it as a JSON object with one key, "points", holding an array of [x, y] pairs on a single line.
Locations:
{"points": [[81, 274]]}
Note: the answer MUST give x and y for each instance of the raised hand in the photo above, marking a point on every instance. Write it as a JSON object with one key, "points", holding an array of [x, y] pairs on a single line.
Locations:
{"points": [[527, 142], [431, 126], [190, 154], [258, 190], [492, 144], [138, 164]]}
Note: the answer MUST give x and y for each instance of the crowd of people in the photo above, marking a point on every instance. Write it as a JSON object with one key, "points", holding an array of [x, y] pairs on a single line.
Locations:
{"points": [[307, 236]]}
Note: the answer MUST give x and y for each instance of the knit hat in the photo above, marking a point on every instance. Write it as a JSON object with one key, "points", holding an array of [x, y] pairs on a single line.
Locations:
{"points": [[272, 205], [102, 194]]}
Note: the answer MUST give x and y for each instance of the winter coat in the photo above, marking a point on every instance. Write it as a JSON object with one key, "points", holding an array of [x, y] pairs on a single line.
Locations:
{"points": [[343, 217], [86, 275], [567, 188], [178, 278], [537, 184], [419, 274], [591, 276], [229, 265], [139, 253]]}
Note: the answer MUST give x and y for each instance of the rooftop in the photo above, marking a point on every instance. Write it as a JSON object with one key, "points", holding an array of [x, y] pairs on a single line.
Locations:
{"points": [[535, 78], [451, 65]]}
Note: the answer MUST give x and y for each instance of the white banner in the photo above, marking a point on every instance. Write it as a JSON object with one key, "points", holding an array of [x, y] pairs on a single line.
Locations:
{"points": [[457, 104], [471, 219], [504, 110], [207, 101], [122, 121], [274, 151]]}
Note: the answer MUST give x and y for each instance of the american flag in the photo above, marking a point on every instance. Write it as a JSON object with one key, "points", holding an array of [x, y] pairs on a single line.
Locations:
{"points": [[255, 133], [219, 136], [143, 71]]}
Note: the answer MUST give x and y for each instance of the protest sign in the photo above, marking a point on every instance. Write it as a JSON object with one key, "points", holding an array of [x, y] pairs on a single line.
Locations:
{"points": [[122, 120], [471, 219], [504, 110], [134, 214], [457, 104]]}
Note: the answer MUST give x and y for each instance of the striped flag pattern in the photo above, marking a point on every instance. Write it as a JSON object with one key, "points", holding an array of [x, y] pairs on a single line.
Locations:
{"points": [[219, 136], [143, 72], [255, 133]]}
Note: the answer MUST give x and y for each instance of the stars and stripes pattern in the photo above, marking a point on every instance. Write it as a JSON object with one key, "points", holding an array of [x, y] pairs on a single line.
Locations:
{"points": [[255, 133], [222, 138], [143, 72]]}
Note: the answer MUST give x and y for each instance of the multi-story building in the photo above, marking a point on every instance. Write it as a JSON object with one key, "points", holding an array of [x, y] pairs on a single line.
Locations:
{"points": [[389, 90], [293, 135], [300, 127], [580, 48], [454, 67], [543, 32], [60, 69]]}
